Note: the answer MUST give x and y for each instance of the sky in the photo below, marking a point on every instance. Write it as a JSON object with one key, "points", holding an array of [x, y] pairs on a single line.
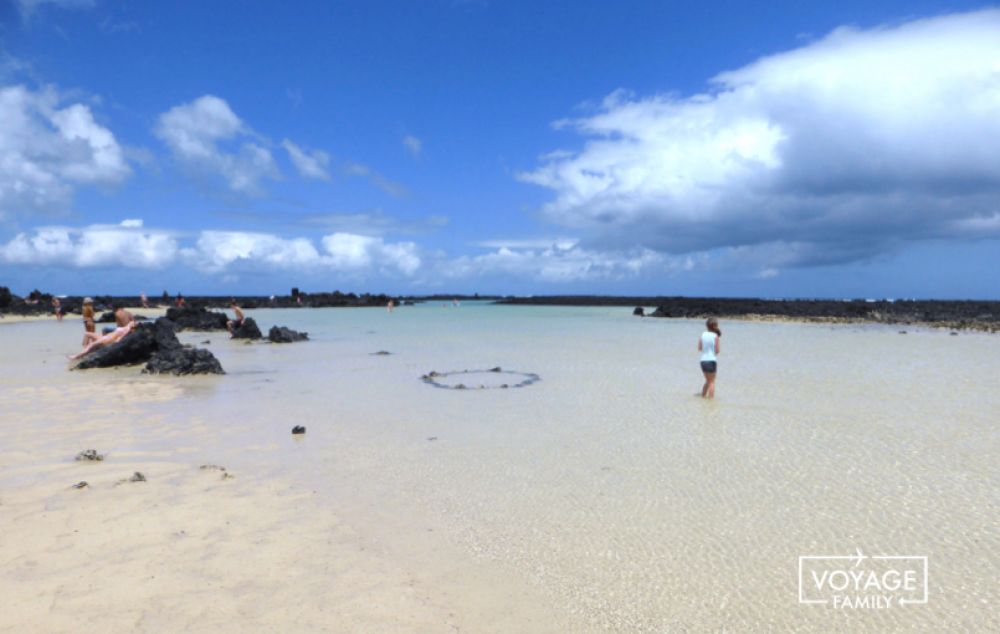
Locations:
{"points": [[768, 149]]}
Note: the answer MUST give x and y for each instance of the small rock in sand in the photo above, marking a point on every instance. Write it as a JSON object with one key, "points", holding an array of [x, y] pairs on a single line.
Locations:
{"points": [[298, 429], [81, 485], [137, 477], [90, 454]]}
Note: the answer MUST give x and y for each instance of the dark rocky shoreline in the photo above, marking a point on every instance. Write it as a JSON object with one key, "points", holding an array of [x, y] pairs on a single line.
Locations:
{"points": [[981, 315], [953, 314]]}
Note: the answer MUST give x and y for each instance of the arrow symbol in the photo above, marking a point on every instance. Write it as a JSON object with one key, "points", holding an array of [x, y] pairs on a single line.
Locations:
{"points": [[859, 557]]}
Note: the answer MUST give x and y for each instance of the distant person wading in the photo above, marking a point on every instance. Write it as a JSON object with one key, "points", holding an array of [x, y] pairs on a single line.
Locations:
{"points": [[709, 347]]}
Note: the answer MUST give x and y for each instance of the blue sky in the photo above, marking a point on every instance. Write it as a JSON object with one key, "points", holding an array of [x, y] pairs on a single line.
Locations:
{"points": [[773, 149]]}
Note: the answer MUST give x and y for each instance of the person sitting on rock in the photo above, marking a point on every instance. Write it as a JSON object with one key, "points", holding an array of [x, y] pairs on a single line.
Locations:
{"points": [[234, 324], [99, 341]]}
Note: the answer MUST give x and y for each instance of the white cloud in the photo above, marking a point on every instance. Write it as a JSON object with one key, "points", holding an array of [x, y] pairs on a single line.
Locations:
{"points": [[46, 151], [206, 136], [413, 145], [565, 262], [833, 152], [218, 251], [352, 251], [91, 247], [310, 164]]}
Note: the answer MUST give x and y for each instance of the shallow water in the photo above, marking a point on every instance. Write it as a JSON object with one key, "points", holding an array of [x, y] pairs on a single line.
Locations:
{"points": [[608, 488]]}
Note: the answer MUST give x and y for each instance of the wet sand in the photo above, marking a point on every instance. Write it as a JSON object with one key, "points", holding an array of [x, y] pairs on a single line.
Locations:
{"points": [[603, 498], [199, 546]]}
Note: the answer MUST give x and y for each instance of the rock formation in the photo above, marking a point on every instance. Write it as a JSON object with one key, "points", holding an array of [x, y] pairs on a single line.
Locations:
{"points": [[281, 334]]}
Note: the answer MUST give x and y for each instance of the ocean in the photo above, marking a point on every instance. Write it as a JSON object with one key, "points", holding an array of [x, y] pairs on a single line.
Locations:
{"points": [[604, 489]]}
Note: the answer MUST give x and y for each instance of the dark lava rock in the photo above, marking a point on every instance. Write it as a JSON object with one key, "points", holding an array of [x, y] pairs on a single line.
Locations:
{"points": [[90, 454], [298, 429], [281, 334], [188, 318], [248, 330], [496, 369], [137, 347], [381, 353], [181, 361], [81, 485], [639, 311], [157, 346], [137, 477]]}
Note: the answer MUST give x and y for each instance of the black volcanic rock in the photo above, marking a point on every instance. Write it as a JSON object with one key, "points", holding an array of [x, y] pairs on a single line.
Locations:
{"points": [[157, 346], [248, 330], [183, 360], [957, 314], [639, 311], [197, 319], [137, 347], [281, 334]]}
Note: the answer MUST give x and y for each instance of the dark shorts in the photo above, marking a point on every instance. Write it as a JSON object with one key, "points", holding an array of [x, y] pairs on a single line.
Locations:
{"points": [[708, 366]]}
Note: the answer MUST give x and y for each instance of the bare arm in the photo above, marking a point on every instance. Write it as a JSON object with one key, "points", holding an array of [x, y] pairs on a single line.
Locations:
{"points": [[718, 339]]}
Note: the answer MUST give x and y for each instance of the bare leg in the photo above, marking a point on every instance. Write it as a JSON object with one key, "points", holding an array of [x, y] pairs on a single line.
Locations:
{"points": [[89, 337], [708, 381], [711, 385], [97, 343]]}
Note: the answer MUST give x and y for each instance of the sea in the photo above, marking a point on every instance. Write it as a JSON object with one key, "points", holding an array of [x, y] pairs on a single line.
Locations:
{"points": [[568, 450]]}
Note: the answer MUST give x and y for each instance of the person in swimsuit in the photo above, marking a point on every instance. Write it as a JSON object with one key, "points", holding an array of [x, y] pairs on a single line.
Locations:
{"points": [[709, 347], [99, 341], [88, 319], [57, 308], [122, 316], [237, 321]]}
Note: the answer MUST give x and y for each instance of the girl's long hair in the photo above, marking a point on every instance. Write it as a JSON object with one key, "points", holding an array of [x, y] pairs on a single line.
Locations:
{"points": [[713, 325]]}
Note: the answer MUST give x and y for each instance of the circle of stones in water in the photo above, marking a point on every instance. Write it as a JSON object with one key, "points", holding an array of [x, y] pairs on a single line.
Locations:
{"points": [[519, 379]]}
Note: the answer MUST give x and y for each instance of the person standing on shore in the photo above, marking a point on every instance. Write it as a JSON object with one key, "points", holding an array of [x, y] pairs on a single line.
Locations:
{"points": [[709, 347], [57, 308], [88, 319]]}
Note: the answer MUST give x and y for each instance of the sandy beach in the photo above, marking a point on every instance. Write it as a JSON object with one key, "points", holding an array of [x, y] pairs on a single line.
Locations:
{"points": [[199, 546], [150, 313], [602, 498]]}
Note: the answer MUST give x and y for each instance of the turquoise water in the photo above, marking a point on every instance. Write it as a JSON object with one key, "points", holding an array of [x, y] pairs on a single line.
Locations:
{"points": [[608, 486]]}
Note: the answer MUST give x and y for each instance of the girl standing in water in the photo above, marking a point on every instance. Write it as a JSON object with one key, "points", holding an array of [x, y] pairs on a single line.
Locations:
{"points": [[709, 347]]}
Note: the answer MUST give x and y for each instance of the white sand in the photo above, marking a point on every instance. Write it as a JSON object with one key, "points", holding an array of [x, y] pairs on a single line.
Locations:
{"points": [[151, 313], [201, 550]]}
